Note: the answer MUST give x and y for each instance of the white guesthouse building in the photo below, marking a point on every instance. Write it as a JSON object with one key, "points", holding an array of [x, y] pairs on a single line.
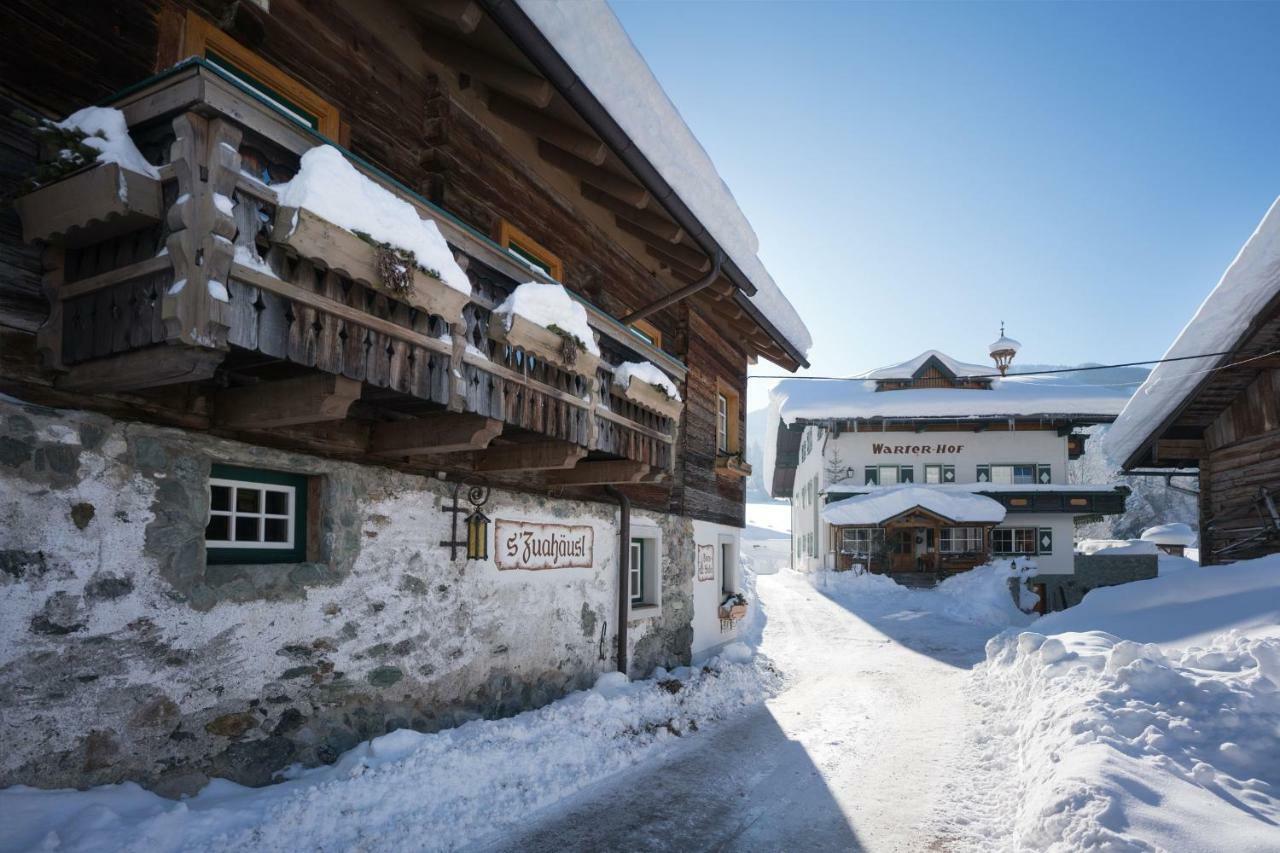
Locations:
{"points": [[933, 466]]}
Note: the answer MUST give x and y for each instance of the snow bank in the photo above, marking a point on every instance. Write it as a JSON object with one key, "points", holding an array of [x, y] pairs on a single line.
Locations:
{"points": [[1145, 718], [549, 305], [107, 132], [330, 187], [589, 37], [645, 371], [1175, 533], [890, 501], [1244, 289], [405, 790], [981, 596]]}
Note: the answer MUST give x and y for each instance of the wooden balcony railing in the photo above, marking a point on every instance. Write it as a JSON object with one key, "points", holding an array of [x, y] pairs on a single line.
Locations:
{"points": [[200, 276]]}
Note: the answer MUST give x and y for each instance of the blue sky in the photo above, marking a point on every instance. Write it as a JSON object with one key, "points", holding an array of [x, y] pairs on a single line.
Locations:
{"points": [[917, 173]]}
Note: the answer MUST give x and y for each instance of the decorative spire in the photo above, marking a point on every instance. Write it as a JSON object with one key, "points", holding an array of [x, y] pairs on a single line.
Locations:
{"points": [[1003, 350]]}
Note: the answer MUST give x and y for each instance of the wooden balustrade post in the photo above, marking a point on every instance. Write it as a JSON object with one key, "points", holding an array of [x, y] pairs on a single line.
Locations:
{"points": [[196, 307]]}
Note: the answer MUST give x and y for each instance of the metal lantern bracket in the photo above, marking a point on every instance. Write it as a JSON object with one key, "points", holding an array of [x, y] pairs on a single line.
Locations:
{"points": [[477, 496]]}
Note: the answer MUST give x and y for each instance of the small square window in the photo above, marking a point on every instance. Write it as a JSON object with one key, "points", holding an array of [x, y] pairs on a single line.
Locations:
{"points": [[256, 516]]}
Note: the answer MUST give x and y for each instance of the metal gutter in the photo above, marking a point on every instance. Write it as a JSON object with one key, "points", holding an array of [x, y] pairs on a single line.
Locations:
{"points": [[513, 21]]}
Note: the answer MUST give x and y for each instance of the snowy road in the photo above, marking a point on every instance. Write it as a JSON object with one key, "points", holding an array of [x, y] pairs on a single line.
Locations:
{"points": [[853, 755]]}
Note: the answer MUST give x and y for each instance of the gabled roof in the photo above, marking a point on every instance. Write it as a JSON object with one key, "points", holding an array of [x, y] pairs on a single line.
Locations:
{"points": [[1221, 324], [913, 368]]}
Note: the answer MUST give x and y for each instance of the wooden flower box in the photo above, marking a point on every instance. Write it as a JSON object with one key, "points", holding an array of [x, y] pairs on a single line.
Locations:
{"points": [[733, 612], [90, 206], [646, 395], [733, 466], [542, 342], [338, 249]]}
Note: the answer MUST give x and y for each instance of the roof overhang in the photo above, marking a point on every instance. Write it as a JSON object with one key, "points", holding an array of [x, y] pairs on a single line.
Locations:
{"points": [[518, 27]]}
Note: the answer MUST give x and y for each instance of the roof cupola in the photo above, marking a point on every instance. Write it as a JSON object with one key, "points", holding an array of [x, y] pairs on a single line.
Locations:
{"points": [[1003, 350]]}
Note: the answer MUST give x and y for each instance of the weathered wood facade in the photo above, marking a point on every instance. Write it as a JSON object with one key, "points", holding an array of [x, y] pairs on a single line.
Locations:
{"points": [[438, 105], [1228, 429]]}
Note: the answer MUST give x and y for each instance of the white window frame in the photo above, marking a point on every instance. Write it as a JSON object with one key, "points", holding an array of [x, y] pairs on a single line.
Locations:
{"points": [[722, 423], [1013, 533], [728, 569], [969, 539], [290, 517], [861, 541]]}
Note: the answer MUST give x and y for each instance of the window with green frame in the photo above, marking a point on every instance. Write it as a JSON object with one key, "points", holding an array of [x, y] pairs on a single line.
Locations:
{"points": [[256, 516], [889, 475]]}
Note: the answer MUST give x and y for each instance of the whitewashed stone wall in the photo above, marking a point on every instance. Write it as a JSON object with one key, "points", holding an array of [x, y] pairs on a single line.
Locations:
{"points": [[123, 656]]}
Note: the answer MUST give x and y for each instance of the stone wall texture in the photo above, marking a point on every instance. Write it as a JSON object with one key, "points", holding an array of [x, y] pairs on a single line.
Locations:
{"points": [[123, 656], [1093, 571]]}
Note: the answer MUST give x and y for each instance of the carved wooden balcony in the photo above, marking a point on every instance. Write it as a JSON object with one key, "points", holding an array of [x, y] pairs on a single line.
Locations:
{"points": [[215, 283]]}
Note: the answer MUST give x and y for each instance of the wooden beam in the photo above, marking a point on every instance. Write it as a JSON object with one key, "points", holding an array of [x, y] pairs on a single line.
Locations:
{"points": [[166, 364], [605, 473], [607, 180], [535, 456], [680, 251], [491, 70], [1175, 450], [461, 15], [548, 127], [442, 433], [647, 220], [289, 402], [676, 265]]}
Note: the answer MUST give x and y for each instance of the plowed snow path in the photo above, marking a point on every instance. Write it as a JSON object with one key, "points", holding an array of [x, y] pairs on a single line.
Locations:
{"points": [[854, 754]]}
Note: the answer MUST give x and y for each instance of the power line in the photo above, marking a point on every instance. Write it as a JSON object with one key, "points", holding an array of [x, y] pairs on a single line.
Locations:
{"points": [[1039, 372]]}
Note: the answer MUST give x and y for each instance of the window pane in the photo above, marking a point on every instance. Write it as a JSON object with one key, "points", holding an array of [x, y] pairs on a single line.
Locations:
{"points": [[932, 474], [220, 497], [219, 529], [1002, 474], [247, 528], [278, 503], [1024, 474], [276, 530], [247, 499], [888, 475]]}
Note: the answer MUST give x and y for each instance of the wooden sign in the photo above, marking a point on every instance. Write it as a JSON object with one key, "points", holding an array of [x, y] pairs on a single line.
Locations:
{"points": [[530, 546], [706, 559]]}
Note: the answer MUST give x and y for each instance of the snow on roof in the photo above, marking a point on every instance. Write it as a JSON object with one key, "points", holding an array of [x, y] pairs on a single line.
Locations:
{"points": [[108, 133], [907, 369], [1003, 343], [1252, 280], [987, 488], [645, 371], [1175, 533], [1011, 396], [330, 187], [549, 305], [590, 38], [885, 503]]}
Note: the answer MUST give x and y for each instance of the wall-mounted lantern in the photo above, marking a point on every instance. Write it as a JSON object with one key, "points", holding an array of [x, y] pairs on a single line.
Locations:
{"points": [[476, 544]]}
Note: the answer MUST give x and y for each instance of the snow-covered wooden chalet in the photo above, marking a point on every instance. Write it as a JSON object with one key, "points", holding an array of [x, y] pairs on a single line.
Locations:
{"points": [[1212, 411], [365, 365], [933, 466]]}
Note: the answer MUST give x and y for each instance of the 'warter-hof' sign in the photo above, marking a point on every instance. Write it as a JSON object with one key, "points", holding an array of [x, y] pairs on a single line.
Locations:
{"points": [[525, 545]]}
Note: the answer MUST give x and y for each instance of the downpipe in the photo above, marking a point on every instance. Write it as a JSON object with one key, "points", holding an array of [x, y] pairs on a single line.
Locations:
{"points": [[624, 572]]}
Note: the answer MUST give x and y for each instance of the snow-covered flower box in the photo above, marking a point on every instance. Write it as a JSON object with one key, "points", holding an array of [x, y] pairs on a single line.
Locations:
{"points": [[733, 466], [319, 240], [648, 387], [545, 343], [91, 205], [544, 320], [734, 607]]}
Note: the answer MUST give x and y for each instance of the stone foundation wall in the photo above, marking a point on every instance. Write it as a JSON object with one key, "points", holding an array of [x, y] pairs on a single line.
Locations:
{"points": [[1093, 571], [124, 656]]}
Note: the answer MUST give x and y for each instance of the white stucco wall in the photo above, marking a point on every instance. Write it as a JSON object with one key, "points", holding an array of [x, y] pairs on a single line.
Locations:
{"points": [[965, 450], [709, 633]]}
